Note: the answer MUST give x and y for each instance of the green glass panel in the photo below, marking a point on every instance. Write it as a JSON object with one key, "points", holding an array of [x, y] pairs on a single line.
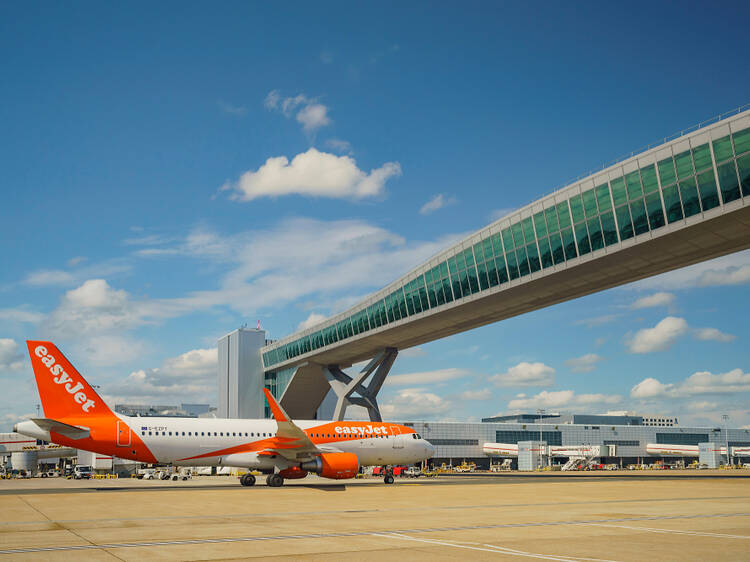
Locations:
{"points": [[528, 230], [444, 269], [576, 208], [609, 228], [460, 261], [684, 164], [569, 243], [582, 237], [666, 172], [541, 226], [523, 263], [452, 265], [469, 257], [723, 149], [473, 281], [497, 245], [638, 212], [555, 243], [589, 203], [741, 141], [619, 195], [545, 252], [702, 157], [428, 276], [655, 212], [432, 294], [672, 203], [624, 223], [512, 262], [633, 181], [730, 187], [743, 164], [551, 216], [447, 290], [410, 305], [563, 214], [502, 273], [492, 273], [508, 240], [517, 234], [456, 285], [487, 248], [595, 234], [602, 198], [533, 255], [479, 252], [648, 177], [708, 191], [689, 194]]}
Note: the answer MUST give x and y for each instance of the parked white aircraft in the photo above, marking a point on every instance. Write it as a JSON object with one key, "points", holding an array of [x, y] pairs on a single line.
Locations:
{"points": [[77, 417]]}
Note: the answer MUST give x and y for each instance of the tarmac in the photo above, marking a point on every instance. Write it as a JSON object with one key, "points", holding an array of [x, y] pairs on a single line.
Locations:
{"points": [[622, 516]]}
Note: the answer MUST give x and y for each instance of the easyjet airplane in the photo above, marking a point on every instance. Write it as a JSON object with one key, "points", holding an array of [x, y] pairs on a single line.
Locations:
{"points": [[77, 417]]}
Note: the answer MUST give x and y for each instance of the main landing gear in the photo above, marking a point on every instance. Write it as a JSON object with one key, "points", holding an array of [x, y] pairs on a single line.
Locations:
{"points": [[274, 480], [247, 479]]}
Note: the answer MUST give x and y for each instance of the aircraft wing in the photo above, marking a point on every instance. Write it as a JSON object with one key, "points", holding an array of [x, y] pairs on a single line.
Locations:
{"points": [[291, 441]]}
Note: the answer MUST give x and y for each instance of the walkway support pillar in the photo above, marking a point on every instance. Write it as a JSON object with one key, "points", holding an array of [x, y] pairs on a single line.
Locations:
{"points": [[345, 386]]}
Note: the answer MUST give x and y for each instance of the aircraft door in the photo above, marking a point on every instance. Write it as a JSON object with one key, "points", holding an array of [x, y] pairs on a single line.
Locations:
{"points": [[398, 439], [123, 434]]}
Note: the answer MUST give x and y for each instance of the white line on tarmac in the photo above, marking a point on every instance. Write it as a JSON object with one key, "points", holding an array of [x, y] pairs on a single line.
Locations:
{"points": [[365, 533], [675, 531], [488, 548]]}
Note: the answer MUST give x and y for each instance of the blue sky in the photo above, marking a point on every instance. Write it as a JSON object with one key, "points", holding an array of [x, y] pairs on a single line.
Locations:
{"points": [[172, 172]]}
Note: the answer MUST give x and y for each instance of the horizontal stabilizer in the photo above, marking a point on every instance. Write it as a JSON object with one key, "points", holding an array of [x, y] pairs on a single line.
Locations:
{"points": [[69, 431]]}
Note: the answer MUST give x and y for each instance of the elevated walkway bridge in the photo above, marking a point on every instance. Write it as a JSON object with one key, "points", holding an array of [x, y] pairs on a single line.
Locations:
{"points": [[684, 201]]}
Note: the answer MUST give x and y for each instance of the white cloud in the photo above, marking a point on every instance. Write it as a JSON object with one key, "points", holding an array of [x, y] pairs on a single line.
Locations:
{"points": [[657, 299], [63, 278], [498, 214], [483, 394], [649, 388], [311, 321], [412, 352], [311, 114], [49, 277], [12, 418], [597, 320], [585, 363], [415, 403], [315, 174], [21, 315], [313, 117], [187, 377], [237, 110], [660, 337], [427, 377], [526, 374], [712, 334], [11, 358], [437, 202], [561, 399], [733, 269], [339, 145], [702, 382], [77, 260]]}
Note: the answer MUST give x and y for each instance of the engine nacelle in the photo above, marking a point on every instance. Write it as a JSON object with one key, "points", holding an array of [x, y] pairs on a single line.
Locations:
{"points": [[292, 473], [336, 466]]}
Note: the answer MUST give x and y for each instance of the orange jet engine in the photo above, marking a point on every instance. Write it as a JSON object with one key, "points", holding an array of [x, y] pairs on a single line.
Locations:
{"points": [[336, 466]]}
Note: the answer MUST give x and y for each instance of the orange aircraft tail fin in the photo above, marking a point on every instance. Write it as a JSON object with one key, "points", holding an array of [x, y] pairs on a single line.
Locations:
{"points": [[63, 390]]}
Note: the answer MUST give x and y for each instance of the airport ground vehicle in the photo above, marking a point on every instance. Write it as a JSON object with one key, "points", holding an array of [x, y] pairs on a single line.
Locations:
{"points": [[82, 471], [412, 472], [77, 417]]}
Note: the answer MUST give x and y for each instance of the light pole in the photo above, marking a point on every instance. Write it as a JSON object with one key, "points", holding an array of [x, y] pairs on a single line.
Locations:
{"points": [[725, 417], [540, 412]]}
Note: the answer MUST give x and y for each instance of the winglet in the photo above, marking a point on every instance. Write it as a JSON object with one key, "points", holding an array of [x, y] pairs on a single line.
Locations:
{"points": [[278, 412]]}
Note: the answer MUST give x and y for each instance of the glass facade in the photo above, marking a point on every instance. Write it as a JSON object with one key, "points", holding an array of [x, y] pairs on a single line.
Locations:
{"points": [[551, 437], [575, 222], [681, 438]]}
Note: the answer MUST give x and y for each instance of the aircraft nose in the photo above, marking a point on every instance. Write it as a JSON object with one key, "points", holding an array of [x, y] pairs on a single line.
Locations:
{"points": [[429, 448]]}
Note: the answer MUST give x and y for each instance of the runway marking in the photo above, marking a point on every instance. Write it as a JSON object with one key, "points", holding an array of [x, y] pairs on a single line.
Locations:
{"points": [[675, 531], [490, 548], [364, 533]]}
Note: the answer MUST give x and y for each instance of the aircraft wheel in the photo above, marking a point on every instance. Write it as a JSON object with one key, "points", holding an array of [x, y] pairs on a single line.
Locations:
{"points": [[274, 480], [388, 479], [247, 480]]}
